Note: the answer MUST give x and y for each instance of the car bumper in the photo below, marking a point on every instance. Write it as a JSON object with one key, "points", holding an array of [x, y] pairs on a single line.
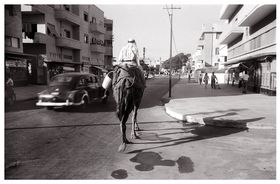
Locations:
{"points": [[57, 104]]}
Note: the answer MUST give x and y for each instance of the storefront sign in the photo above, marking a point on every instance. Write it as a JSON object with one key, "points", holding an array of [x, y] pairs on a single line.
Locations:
{"points": [[16, 63]]}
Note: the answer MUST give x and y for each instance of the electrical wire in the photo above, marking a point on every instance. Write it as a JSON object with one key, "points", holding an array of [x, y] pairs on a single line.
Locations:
{"points": [[173, 38]]}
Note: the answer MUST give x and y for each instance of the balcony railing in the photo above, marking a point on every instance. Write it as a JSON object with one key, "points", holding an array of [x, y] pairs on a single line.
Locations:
{"points": [[38, 38], [263, 40], [68, 43], [67, 16], [97, 48], [93, 27]]}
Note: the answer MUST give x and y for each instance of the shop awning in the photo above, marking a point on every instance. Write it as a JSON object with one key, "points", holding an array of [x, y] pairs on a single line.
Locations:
{"points": [[233, 66], [100, 68], [63, 62]]}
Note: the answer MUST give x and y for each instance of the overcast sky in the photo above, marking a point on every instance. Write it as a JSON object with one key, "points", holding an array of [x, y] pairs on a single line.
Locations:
{"points": [[149, 25]]}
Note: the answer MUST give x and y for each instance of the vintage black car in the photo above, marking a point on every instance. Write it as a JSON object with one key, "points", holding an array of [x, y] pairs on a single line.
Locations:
{"points": [[72, 89]]}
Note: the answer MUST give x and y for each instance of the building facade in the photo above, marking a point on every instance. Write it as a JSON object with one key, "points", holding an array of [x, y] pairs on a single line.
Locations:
{"points": [[108, 43], [17, 64], [209, 52], [251, 40], [62, 37]]}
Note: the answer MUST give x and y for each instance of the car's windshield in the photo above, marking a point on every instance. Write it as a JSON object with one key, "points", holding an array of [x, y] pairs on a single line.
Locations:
{"points": [[61, 80]]}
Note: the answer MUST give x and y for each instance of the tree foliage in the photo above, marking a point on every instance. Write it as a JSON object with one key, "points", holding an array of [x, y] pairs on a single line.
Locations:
{"points": [[177, 61]]}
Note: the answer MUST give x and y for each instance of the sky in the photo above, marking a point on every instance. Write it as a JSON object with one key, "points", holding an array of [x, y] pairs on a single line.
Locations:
{"points": [[149, 25]]}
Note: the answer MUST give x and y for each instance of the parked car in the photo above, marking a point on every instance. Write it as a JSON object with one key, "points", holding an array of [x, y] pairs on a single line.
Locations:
{"points": [[72, 89]]}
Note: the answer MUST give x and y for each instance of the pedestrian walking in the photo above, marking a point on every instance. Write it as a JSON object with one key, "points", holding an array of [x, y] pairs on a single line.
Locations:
{"points": [[200, 78], [205, 80], [240, 83], [213, 80], [245, 82]]}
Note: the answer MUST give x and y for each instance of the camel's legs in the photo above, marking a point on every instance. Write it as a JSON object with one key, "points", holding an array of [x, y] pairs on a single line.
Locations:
{"points": [[134, 124], [123, 128]]}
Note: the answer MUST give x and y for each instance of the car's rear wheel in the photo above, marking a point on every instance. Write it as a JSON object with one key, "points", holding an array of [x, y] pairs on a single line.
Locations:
{"points": [[85, 103]]}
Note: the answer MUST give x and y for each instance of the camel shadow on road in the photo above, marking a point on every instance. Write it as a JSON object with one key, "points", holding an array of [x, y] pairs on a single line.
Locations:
{"points": [[194, 132]]}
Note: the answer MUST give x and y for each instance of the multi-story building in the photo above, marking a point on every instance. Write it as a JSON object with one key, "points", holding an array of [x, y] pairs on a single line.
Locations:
{"points": [[251, 40], [64, 37], [108, 43], [209, 52], [17, 64]]}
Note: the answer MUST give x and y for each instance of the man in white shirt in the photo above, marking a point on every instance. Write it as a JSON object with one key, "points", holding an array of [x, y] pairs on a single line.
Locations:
{"points": [[129, 57], [245, 81], [129, 54]]}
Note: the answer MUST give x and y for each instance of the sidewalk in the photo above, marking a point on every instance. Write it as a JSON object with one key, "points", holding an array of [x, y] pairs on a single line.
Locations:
{"points": [[226, 107], [28, 92]]}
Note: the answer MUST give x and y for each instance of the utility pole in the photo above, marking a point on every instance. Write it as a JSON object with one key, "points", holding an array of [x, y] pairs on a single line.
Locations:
{"points": [[171, 33], [144, 53]]}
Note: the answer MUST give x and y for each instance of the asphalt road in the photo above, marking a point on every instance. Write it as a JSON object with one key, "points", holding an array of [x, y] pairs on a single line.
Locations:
{"points": [[71, 142], [77, 144]]}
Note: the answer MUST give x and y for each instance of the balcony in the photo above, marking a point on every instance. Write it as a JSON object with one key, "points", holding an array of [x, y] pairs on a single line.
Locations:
{"points": [[257, 14], [68, 43], [93, 27], [38, 38], [262, 44], [67, 16], [228, 10], [109, 51], [97, 48], [32, 9], [231, 36]]}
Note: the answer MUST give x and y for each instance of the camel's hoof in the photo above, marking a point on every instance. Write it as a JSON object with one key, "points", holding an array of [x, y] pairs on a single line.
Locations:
{"points": [[137, 128], [135, 137], [128, 142], [122, 147]]}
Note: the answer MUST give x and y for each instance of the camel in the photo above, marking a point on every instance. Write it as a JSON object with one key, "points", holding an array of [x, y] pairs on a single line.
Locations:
{"points": [[128, 88]]}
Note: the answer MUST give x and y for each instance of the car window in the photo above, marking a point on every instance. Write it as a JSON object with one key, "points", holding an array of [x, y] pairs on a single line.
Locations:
{"points": [[82, 82], [90, 80], [58, 80]]}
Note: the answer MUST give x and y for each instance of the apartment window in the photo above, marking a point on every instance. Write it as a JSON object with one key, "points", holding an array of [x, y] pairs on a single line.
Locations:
{"points": [[202, 37], [86, 16], [67, 33], [86, 38], [108, 27], [217, 51], [51, 30], [93, 20], [218, 35], [12, 42], [11, 10], [66, 7], [67, 57]]}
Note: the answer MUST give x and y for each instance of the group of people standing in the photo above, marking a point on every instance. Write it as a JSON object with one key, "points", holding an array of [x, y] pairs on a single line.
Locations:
{"points": [[214, 80]]}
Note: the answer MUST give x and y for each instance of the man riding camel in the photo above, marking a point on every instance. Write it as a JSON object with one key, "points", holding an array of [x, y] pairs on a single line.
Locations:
{"points": [[129, 57]]}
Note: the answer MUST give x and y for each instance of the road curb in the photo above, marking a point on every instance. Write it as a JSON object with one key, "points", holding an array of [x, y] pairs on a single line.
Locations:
{"points": [[217, 123]]}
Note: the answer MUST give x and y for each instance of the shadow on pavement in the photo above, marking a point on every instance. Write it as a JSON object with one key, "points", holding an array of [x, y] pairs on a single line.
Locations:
{"points": [[22, 106], [198, 132]]}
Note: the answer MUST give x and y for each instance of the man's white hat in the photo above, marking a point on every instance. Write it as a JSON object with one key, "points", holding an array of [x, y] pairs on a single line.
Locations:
{"points": [[131, 40]]}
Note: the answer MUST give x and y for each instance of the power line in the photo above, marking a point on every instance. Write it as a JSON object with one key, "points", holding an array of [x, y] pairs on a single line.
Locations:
{"points": [[171, 36]]}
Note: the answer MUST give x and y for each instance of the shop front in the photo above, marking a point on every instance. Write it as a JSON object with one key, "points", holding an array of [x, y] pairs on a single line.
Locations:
{"points": [[21, 68]]}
